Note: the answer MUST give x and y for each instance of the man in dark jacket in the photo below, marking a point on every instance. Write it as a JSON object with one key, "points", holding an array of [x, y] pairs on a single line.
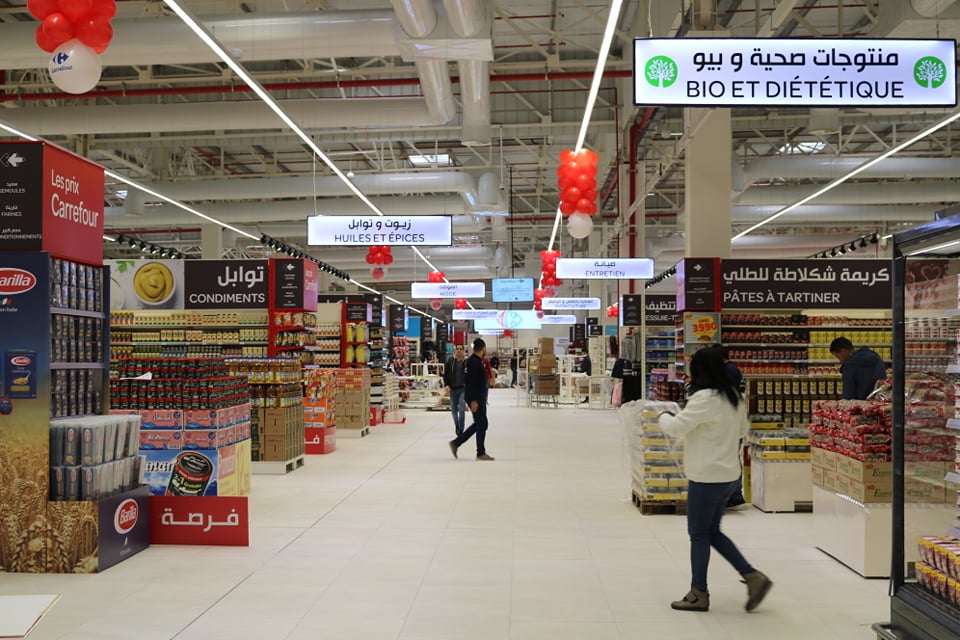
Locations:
{"points": [[476, 386], [454, 378], [860, 368]]}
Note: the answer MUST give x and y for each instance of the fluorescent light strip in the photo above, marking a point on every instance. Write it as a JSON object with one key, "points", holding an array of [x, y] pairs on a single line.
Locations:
{"points": [[215, 46], [863, 167], [945, 245], [592, 96]]}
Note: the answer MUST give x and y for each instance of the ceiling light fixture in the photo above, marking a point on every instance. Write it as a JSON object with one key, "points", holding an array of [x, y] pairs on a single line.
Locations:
{"points": [[215, 46], [592, 96], [860, 169]]}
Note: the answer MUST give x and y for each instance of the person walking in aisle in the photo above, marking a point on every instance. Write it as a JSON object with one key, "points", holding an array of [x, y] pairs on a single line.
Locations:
{"points": [[712, 425], [513, 370], [455, 379], [860, 368], [585, 367], [735, 376], [476, 396]]}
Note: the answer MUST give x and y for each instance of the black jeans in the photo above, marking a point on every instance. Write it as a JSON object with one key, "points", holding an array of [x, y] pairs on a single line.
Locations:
{"points": [[706, 502], [478, 427]]}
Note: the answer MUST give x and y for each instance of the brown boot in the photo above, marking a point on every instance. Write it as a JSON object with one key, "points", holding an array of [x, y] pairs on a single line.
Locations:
{"points": [[695, 600], [757, 587]]}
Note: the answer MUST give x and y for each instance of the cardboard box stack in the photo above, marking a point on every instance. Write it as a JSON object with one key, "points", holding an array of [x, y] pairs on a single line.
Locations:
{"points": [[850, 449], [276, 396], [320, 411], [656, 461], [353, 398]]}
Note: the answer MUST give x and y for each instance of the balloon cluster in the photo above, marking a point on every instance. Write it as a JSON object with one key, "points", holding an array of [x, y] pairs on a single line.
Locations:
{"points": [[460, 303], [380, 256], [75, 32], [436, 276], [613, 311], [538, 296], [548, 270], [508, 333], [577, 182]]}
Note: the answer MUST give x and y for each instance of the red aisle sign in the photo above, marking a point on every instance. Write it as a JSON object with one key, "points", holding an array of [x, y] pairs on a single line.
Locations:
{"points": [[201, 520]]}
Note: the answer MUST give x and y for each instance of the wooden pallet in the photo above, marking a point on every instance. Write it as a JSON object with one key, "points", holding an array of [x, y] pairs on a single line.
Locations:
{"points": [[278, 468], [659, 507]]}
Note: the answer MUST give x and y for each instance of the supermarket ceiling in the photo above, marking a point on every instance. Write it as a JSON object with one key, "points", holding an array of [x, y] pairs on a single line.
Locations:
{"points": [[461, 107]]}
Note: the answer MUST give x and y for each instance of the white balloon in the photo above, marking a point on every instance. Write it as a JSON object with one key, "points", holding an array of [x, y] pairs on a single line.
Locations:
{"points": [[74, 67], [579, 225]]}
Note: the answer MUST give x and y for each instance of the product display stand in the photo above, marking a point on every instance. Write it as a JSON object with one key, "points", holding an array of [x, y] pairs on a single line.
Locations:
{"points": [[658, 484], [54, 340], [188, 333], [780, 470]]}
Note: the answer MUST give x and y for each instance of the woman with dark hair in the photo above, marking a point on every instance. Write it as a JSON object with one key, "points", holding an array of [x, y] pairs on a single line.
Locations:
{"points": [[711, 425]]}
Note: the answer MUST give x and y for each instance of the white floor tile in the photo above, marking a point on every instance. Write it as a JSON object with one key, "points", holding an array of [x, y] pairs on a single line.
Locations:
{"points": [[390, 538]]}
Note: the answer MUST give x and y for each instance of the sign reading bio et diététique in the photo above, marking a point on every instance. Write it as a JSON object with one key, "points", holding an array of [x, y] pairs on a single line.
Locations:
{"points": [[794, 72]]}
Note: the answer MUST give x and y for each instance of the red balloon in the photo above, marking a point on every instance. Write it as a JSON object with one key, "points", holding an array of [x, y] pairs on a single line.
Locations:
{"points": [[538, 294], [378, 273], [537, 305], [103, 9], [389, 260], [566, 156], [585, 182], [75, 10], [40, 9], [590, 170], [370, 259], [593, 208], [583, 205], [571, 168], [96, 33], [43, 41], [592, 157], [572, 194], [57, 27], [566, 208], [435, 304], [564, 183], [590, 194]]}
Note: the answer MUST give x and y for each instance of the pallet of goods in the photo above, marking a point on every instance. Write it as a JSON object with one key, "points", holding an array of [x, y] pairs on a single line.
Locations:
{"points": [[658, 483]]}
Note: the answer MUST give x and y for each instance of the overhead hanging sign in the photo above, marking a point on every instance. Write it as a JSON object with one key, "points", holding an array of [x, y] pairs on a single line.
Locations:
{"points": [[352, 231], [559, 319], [475, 314], [448, 290], [514, 319], [738, 72], [799, 284], [605, 268], [561, 304]]}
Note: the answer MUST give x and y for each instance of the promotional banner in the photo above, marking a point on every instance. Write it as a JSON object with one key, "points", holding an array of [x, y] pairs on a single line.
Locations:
{"points": [[124, 526], [146, 284], [698, 288], [52, 200], [605, 268], [701, 328], [353, 231], [193, 472], [448, 290], [816, 72], [220, 520], [799, 284], [511, 289], [225, 284], [562, 304], [558, 319], [296, 283], [515, 319], [398, 318]]}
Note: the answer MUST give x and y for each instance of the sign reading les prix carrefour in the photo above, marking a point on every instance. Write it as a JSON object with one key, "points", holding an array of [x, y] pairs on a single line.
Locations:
{"points": [[731, 72]]}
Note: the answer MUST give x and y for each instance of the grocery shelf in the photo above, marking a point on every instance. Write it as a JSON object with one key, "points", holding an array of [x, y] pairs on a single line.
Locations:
{"points": [[78, 312], [249, 343], [121, 326]]}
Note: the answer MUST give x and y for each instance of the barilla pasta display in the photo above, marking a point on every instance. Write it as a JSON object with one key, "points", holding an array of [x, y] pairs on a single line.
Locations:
{"points": [[94, 457]]}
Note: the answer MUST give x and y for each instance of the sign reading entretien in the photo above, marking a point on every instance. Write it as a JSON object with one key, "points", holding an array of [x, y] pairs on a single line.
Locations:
{"points": [[423, 231], [794, 72], [605, 268]]}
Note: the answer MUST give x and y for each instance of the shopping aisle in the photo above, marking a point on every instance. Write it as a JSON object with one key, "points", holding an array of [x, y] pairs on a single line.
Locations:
{"points": [[390, 538]]}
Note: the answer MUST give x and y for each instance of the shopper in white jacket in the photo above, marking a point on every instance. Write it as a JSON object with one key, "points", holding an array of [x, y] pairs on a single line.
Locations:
{"points": [[711, 425]]}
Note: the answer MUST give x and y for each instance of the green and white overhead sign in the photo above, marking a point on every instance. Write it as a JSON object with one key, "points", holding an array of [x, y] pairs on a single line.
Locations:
{"points": [[794, 72]]}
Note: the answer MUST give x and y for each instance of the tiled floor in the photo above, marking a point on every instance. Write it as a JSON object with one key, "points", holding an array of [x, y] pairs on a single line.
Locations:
{"points": [[390, 538]]}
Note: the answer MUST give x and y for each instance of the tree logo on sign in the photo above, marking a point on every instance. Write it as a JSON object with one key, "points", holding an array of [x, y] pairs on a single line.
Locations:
{"points": [[660, 71], [930, 72]]}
